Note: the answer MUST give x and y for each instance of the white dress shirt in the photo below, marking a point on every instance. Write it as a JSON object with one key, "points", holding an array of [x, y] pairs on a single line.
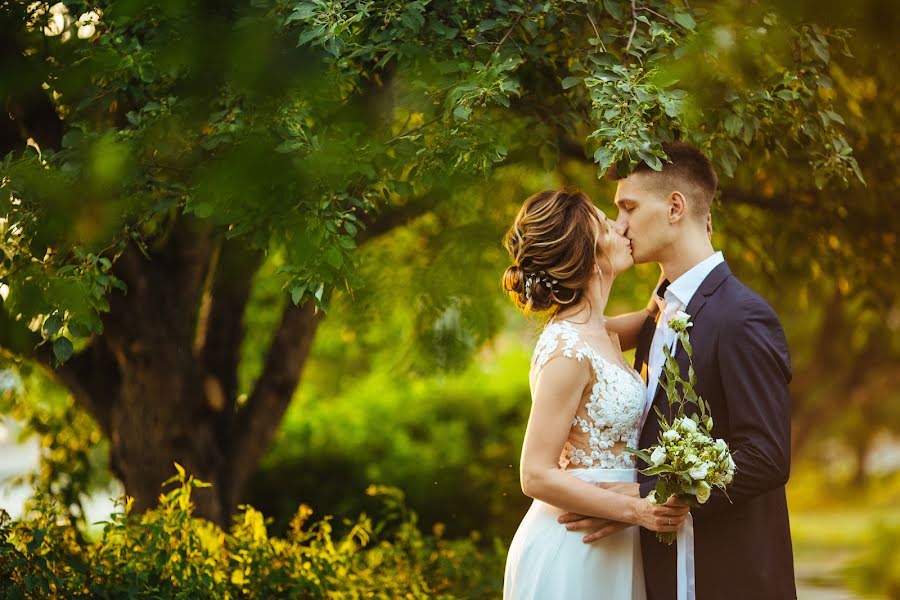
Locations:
{"points": [[676, 297]]}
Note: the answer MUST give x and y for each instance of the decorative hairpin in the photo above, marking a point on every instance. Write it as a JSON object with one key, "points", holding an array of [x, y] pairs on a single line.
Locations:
{"points": [[538, 278]]}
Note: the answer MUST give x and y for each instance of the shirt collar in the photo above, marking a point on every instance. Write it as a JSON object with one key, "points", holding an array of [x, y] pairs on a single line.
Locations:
{"points": [[684, 288]]}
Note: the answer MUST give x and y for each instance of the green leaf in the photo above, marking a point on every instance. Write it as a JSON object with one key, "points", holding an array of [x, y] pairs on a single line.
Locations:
{"points": [[685, 20], [301, 12], [658, 470], [571, 82], [835, 116], [297, 293], [857, 171], [787, 94], [733, 125], [79, 330], [309, 34], [652, 161], [462, 112], [614, 8], [603, 157], [72, 138], [51, 326], [62, 349], [334, 46], [487, 25], [821, 50], [333, 257]]}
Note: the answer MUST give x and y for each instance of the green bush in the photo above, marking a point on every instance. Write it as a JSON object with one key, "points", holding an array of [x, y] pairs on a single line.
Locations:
{"points": [[877, 569], [451, 442], [169, 553]]}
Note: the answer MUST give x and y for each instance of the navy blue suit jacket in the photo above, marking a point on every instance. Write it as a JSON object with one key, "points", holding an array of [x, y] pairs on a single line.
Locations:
{"points": [[742, 550]]}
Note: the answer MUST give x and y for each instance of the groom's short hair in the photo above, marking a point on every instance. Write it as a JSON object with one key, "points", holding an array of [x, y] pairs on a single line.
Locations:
{"points": [[686, 167]]}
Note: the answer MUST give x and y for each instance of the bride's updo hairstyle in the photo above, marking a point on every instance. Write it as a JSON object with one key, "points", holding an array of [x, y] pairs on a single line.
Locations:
{"points": [[554, 244]]}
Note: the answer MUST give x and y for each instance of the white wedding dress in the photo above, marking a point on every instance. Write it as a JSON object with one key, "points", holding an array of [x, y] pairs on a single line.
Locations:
{"points": [[545, 560]]}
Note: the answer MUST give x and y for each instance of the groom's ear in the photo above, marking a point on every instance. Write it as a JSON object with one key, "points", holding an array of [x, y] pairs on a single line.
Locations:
{"points": [[677, 207]]}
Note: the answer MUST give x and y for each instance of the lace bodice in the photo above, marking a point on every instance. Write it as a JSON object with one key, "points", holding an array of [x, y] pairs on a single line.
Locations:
{"points": [[607, 419]]}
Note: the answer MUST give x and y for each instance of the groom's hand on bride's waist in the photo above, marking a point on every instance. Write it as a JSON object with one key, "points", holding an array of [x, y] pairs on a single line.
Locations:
{"points": [[595, 527]]}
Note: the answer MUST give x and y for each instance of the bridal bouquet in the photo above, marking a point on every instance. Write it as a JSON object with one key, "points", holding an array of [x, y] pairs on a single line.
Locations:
{"points": [[687, 461]]}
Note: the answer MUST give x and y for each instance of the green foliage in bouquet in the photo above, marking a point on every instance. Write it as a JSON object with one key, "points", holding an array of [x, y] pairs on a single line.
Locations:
{"points": [[687, 460], [167, 552]]}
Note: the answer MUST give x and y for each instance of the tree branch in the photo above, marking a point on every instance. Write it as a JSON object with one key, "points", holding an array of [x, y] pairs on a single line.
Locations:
{"points": [[396, 216], [222, 331], [509, 31], [258, 421], [596, 31], [661, 16], [633, 25]]}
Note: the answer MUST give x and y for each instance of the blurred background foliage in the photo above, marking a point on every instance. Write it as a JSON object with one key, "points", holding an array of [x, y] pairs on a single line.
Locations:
{"points": [[251, 161]]}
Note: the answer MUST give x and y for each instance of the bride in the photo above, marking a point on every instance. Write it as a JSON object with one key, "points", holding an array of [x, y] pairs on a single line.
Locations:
{"points": [[586, 407]]}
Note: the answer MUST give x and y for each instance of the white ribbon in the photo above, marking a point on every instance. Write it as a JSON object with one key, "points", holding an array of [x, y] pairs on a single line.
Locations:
{"points": [[685, 540]]}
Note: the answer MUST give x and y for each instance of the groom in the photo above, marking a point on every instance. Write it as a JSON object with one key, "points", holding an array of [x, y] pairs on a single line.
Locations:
{"points": [[742, 548]]}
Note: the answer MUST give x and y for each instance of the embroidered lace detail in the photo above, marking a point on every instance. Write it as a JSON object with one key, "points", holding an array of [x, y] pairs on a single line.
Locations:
{"points": [[611, 413]]}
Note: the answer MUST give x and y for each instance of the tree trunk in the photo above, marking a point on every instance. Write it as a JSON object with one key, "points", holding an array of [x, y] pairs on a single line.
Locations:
{"points": [[162, 379]]}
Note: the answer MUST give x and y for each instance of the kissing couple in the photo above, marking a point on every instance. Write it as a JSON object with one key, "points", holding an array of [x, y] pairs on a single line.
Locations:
{"points": [[591, 531]]}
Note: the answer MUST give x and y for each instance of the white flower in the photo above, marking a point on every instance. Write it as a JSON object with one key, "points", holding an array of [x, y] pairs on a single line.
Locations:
{"points": [[688, 425], [731, 465], [87, 24], [703, 439], [699, 472], [703, 492], [670, 435], [658, 456], [680, 321], [59, 20], [651, 497], [691, 459]]}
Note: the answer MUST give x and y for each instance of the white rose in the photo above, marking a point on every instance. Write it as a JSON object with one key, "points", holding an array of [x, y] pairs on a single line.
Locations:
{"points": [[699, 472], [691, 459], [680, 321], [731, 465], [721, 445], [688, 425], [703, 492], [658, 456], [670, 435], [727, 478]]}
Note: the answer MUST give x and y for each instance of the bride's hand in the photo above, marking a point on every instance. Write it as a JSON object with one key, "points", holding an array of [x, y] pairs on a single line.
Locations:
{"points": [[661, 517]]}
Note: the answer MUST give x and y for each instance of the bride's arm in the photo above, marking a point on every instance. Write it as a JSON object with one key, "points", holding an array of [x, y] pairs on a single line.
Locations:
{"points": [[558, 390], [628, 326]]}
